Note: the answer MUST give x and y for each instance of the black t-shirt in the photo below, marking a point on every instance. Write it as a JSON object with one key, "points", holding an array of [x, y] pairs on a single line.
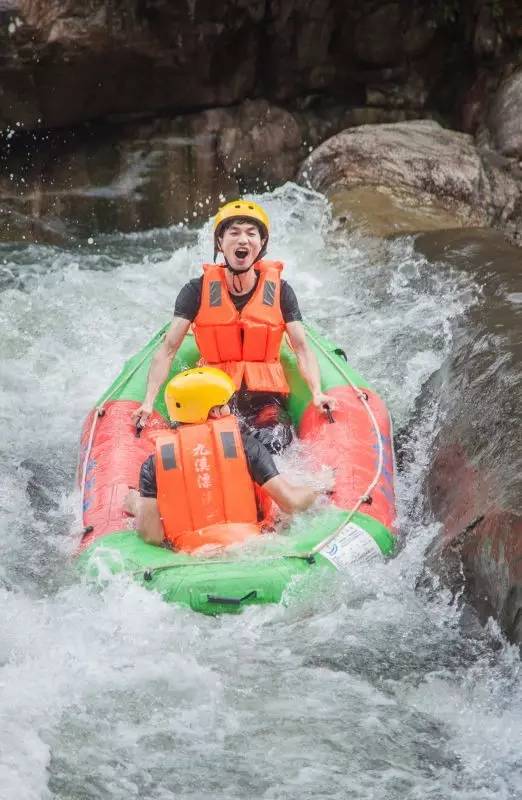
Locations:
{"points": [[259, 461], [188, 300]]}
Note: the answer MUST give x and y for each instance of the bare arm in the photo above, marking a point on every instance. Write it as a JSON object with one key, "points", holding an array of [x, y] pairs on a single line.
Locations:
{"points": [[288, 497], [307, 362], [148, 521], [160, 366]]}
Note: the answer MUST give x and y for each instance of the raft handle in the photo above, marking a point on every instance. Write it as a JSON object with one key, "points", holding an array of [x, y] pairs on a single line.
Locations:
{"points": [[340, 352], [139, 427], [328, 412], [231, 601]]}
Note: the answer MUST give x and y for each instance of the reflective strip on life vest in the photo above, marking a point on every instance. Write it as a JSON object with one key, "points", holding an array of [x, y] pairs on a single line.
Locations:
{"points": [[227, 337]]}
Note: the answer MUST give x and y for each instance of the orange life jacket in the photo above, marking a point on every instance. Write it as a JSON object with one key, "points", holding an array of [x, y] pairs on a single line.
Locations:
{"points": [[205, 492], [243, 344]]}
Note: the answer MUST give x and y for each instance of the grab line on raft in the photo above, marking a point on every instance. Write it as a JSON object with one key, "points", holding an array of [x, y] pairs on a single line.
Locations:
{"points": [[99, 411], [309, 556], [148, 573], [367, 496]]}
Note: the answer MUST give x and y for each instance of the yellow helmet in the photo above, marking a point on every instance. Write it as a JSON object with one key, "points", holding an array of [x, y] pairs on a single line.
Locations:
{"points": [[242, 208], [190, 395]]}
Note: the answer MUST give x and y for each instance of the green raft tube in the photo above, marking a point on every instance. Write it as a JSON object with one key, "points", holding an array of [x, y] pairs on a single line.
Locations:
{"points": [[357, 524]]}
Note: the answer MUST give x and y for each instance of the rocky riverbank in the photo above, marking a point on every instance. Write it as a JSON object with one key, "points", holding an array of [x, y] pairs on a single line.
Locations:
{"points": [[474, 485], [66, 61], [58, 185], [130, 114]]}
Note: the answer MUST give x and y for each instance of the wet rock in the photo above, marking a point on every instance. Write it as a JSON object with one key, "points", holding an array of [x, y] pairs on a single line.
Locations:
{"points": [[475, 100], [378, 36], [154, 173], [421, 169], [65, 61], [79, 61], [495, 30], [145, 174], [505, 118], [388, 33], [411, 93], [487, 40], [259, 142], [122, 62], [475, 479], [15, 226], [70, 61], [262, 140], [125, 177]]}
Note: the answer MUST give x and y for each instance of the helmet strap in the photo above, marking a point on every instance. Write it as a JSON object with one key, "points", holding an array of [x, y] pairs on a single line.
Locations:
{"points": [[237, 278], [237, 274], [262, 252]]}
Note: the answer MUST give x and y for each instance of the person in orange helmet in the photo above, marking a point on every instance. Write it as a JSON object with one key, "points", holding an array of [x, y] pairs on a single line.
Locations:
{"points": [[199, 488], [240, 311]]}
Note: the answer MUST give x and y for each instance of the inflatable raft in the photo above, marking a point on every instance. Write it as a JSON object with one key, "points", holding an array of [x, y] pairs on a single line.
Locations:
{"points": [[357, 524]]}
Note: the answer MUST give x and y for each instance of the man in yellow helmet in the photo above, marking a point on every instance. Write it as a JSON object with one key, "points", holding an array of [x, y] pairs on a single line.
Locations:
{"points": [[240, 311], [199, 488]]}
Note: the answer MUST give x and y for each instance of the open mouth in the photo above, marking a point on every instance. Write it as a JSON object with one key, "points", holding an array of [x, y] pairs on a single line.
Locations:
{"points": [[241, 253]]}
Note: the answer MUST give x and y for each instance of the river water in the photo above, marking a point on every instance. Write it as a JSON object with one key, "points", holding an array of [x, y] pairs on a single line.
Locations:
{"points": [[370, 690]]}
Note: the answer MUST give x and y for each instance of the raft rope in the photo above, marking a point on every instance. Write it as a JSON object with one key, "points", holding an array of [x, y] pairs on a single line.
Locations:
{"points": [[99, 411], [148, 573], [367, 496]]}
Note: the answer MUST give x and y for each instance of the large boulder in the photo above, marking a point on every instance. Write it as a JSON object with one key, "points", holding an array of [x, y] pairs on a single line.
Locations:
{"points": [[413, 175], [505, 117], [474, 483]]}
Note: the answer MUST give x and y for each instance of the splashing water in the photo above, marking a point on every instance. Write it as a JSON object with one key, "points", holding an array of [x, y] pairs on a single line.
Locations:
{"points": [[367, 690]]}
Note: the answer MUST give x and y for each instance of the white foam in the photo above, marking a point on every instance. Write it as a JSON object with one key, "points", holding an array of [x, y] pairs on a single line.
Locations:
{"points": [[362, 689]]}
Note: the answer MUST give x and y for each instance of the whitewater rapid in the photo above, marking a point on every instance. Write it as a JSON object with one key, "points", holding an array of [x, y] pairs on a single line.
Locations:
{"points": [[370, 690]]}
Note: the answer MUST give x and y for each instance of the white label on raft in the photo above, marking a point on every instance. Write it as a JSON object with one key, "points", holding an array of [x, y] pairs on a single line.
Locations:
{"points": [[352, 545]]}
